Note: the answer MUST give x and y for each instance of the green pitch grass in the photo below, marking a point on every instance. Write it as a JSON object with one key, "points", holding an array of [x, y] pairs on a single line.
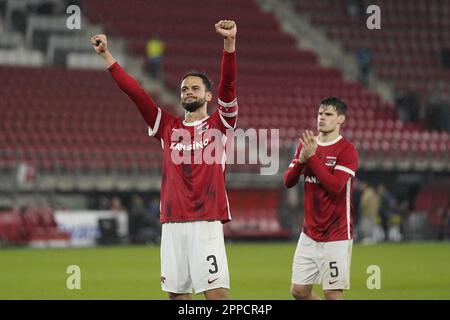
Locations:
{"points": [[257, 270]]}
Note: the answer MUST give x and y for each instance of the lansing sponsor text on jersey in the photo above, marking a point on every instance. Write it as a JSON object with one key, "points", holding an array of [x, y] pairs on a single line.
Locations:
{"points": [[193, 146], [312, 179]]}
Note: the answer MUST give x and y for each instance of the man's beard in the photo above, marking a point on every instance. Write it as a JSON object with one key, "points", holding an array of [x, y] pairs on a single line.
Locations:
{"points": [[192, 106]]}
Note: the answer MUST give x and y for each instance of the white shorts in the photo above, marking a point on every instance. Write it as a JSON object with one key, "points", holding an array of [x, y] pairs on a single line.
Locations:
{"points": [[193, 257], [326, 263]]}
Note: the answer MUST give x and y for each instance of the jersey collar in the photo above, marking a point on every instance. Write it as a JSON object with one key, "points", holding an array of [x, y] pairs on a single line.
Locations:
{"points": [[190, 124], [329, 143]]}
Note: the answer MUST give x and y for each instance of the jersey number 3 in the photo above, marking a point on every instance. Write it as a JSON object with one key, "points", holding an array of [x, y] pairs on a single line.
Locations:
{"points": [[213, 264]]}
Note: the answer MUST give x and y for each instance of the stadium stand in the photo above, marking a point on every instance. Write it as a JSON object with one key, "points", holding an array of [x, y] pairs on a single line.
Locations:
{"points": [[285, 99], [31, 226], [408, 49], [433, 200], [53, 119], [59, 117], [255, 215]]}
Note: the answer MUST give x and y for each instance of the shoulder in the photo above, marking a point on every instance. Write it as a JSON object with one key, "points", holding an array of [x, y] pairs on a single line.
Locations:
{"points": [[347, 151], [347, 146], [170, 121], [173, 119]]}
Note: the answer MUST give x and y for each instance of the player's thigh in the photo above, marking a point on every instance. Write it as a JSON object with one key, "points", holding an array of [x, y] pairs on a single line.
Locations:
{"points": [[305, 268], [335, 267], [175, 277], [207, 257]]}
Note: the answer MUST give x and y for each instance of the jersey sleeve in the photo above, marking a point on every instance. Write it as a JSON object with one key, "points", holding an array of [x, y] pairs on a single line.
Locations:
{"points": [[292, 174], [155, 118], [348, 161], [227, 111], [163, 120]]}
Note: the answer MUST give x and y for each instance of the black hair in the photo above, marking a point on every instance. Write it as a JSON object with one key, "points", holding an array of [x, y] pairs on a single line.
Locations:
{"points": [[206, 81], [338, 104]]}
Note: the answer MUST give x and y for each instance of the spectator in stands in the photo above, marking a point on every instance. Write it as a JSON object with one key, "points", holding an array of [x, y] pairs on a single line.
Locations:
{"points": [[356, 9], [447, 232], [116, 204], [395, 225], [357, 191], [408, 105], [104, 203], [143, 225], [364, 60], [153, 219], [403, 211], [136, 215], [369, 208], [26, 173], [288, 211], [437, 112], [154, 49], [444, 223], [386, 210], [154, 208], [445, 54]]}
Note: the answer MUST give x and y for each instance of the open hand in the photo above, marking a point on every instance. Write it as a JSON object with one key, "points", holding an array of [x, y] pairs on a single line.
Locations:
{"points": [[309, 146]]}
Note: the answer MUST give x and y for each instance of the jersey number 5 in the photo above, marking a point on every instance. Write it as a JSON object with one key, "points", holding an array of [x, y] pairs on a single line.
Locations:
{"points": [[334, 269]]}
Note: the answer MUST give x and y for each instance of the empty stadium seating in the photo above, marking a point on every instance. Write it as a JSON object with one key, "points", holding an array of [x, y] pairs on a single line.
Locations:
{"points": [[279, 86], [433, 200], [70, 120], [61, 119], [255, 215], [35, 226], [407, 50]]}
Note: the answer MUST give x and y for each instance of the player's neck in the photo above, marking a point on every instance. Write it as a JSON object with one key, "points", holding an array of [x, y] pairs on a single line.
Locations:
{"points": [[198, 114], [328, 136]]}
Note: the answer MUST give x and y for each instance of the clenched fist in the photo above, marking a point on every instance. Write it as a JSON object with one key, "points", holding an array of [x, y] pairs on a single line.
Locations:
{"points": [[100, 43], [226, 28]]}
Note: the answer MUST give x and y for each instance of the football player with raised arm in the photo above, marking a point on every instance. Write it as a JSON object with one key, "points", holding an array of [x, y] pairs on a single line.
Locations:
{"points": [[194, 202]]}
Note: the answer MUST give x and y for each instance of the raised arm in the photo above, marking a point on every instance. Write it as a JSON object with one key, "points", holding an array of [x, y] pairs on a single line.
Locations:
{"points": [[228, 107], [228, 29], [100, 44], [127, 84]]}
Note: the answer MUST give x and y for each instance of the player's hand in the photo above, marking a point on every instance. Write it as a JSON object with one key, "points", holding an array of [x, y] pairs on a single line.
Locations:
{"points": [[309, 146], [100, 43], [226, 28]]}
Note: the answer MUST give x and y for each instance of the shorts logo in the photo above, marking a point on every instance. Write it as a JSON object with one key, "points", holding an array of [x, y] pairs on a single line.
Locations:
{"points": [[211, 281], [332, 282]]}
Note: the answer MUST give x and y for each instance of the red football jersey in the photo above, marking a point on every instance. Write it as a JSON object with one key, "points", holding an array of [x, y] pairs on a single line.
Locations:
{"points": [[191, 190], [329, 174]]}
